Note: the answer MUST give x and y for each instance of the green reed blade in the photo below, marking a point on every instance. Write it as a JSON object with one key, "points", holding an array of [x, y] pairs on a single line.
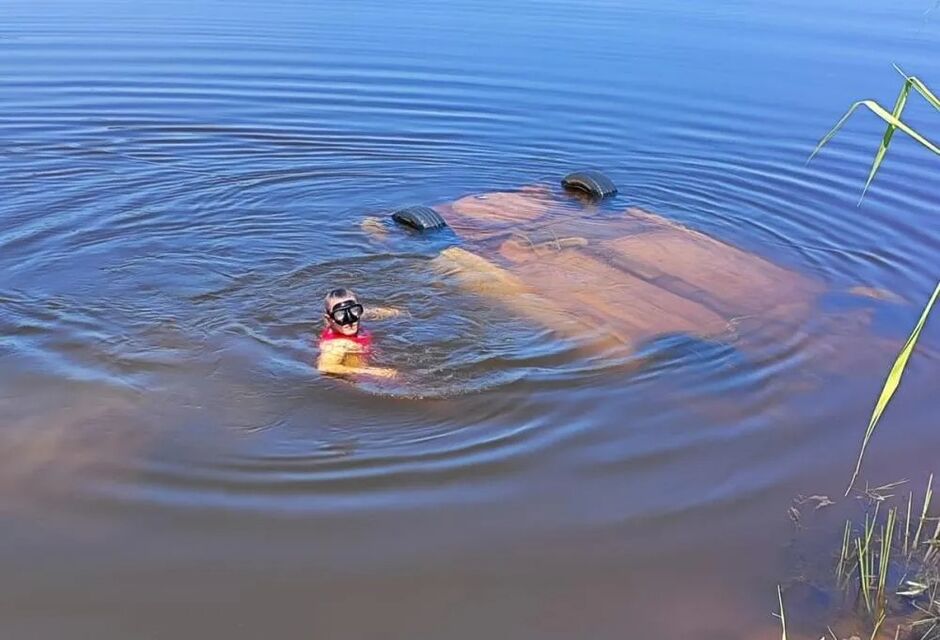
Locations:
{"points": [[891, 384], [899, 105], [870, 527], [884, 559], [923, 514], [863, 574], [907, 523], [893, 121], [921, 88], [882, 113], [844, 555], [832, 132], [934, 541], [874, 632], [882, 572]]}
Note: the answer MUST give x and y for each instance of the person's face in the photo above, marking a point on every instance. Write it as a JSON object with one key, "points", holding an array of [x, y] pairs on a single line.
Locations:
{"points": [[343, 317]]}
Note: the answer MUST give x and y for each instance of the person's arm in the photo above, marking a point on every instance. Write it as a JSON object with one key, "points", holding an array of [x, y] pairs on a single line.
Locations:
{"points": [[381, 313], [332, 354], [375, 228]]}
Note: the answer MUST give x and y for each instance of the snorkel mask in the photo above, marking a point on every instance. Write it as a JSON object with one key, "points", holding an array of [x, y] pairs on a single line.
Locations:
{"points": [[346, 313]]}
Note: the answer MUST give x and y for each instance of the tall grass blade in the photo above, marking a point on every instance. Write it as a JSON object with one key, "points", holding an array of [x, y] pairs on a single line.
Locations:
{"points": [[874, 632], [864, 582], [882, 113], [844, 555], [892, 119], [921, 88], [934, 541], [891, 384], [907, 523], [884, 559], [899, 105], [783, 617], [923, 514], [870, 530]]}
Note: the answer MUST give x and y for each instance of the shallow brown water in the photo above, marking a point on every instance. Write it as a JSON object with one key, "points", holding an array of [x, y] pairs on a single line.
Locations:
{"points": [[183, 181]]}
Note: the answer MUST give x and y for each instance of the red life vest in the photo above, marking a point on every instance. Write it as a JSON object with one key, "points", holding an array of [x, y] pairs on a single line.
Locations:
{"points": [[363, 338]]}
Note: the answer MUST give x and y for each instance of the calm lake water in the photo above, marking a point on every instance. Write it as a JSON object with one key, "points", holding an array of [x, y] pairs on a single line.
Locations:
{"points": [[182, 182]]}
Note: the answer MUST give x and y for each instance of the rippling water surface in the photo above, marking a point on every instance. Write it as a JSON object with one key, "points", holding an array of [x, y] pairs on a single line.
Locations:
{"points": [[182, 182]]}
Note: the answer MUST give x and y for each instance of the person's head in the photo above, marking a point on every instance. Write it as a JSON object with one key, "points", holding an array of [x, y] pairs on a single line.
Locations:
{"points": [[343, 311]]}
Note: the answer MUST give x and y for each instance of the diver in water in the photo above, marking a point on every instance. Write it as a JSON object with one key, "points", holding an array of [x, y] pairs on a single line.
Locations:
{"points": [[344, 346]]}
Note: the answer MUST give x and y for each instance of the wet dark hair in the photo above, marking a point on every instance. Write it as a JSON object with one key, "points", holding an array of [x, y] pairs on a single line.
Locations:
{"points": [[339, 293]]}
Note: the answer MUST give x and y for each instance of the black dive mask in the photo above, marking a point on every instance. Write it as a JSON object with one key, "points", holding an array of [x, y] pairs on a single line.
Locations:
{"points": [[346, 313]]}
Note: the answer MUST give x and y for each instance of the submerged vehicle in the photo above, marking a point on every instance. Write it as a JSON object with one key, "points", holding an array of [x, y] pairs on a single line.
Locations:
{"points": [[622, 278]]}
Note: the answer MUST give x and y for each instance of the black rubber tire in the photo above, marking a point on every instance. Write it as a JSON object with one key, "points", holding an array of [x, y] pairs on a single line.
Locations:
{"points": [[419, 218], [593, 183]]}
